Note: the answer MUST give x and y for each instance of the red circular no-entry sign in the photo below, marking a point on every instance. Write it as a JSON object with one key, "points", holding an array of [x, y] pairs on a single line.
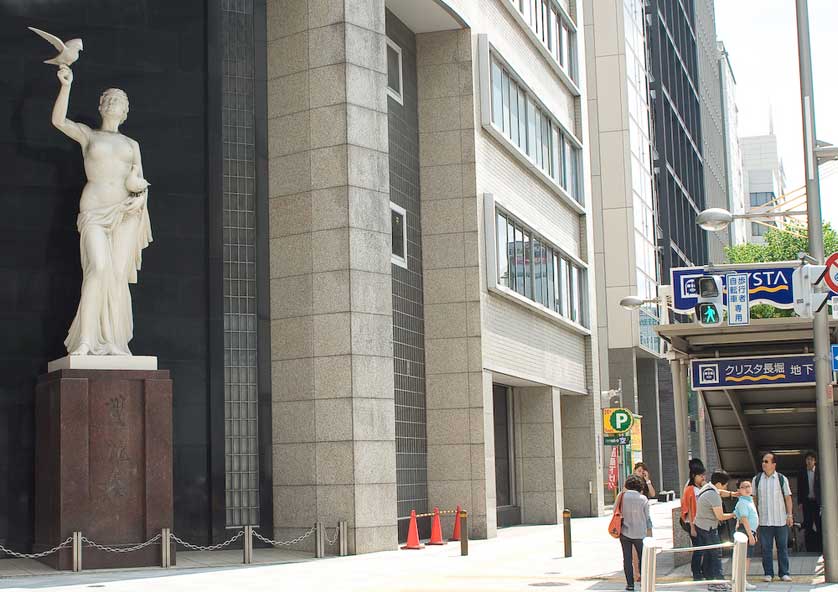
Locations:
{"points": [[830, 276]]}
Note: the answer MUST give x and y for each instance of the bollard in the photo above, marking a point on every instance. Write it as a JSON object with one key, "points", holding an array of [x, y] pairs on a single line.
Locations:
{"points": [[343, 541], [739, 572], [77, 551], [568, 545], [463, 533], [648, 565], [319, 544], [166, 548], [247, 547]]}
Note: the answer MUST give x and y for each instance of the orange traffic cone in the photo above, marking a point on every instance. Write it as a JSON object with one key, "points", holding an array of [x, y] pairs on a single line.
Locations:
{"points": [[412, 533], [456, 535], [436, 530]]}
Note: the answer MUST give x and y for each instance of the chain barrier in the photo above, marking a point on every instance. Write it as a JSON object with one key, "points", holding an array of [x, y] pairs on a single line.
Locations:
{"points": [[229, 541], [441, 513], [334, 540], [108, 549], [274, 543], [66, 543]]}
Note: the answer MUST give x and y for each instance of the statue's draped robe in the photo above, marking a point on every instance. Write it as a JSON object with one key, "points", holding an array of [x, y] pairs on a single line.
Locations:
{"points": [[115, 326]]}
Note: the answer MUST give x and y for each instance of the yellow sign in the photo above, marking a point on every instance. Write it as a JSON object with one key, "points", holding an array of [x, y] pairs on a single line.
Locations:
{"points": [[636, 441], [616, 420]]}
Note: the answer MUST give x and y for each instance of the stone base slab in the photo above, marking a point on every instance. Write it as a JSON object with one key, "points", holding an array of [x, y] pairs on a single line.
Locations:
{"points": [[103, 463], [103, 363]]}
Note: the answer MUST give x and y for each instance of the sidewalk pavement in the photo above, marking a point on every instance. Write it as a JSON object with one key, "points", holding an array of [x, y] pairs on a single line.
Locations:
{"points": [[520, 558]]}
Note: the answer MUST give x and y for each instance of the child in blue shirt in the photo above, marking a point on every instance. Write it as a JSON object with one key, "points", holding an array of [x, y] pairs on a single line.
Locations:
{"points": [[747, 520]]}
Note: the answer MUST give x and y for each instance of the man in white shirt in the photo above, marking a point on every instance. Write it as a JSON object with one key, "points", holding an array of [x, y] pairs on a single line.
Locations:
{"points": [[772, 496]]}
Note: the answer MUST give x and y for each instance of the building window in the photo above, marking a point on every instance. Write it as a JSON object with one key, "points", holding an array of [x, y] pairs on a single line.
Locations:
{"points": [[394, 71], [554, 29], [530, 266], [534, 131], [399, 235], [241, 385]]}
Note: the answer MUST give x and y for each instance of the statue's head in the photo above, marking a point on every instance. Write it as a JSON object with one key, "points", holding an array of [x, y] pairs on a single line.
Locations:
{"points": [[114, 102]]}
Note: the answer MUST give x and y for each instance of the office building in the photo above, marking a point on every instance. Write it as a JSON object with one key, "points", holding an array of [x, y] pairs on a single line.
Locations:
{"points": [[625, 213], [372, 276], [764, 182], [733, 148]]}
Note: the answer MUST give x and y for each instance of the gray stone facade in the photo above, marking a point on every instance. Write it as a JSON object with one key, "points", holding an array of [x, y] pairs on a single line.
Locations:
{"points": [[333, 409], [383, 374]]}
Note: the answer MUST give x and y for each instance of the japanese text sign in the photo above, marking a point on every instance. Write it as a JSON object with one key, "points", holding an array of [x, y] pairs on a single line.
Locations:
{"points": [[738, 299], [733, 373]]}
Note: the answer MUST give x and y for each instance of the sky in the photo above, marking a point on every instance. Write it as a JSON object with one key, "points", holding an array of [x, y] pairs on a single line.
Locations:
{"points": [[761, 39]]}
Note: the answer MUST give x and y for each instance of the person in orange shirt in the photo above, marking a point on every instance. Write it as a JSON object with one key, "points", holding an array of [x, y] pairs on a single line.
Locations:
{"points": [[688, 510]]}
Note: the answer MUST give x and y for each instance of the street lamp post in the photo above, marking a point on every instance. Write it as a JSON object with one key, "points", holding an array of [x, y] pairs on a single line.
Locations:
{"points": [[823, 369]]}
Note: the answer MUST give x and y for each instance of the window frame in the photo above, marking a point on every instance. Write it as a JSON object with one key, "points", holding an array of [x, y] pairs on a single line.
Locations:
{"points": [[397, 96], [568, 73], [564, 261], [395, 259], [489, 56]]}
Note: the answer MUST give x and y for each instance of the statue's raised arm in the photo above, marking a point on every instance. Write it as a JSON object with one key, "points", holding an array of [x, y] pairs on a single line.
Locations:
{"points": [[77, 131]]}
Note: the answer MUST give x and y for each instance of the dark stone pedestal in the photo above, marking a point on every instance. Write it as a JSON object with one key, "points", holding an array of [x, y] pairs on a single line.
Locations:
{"points": [[103, 463]]}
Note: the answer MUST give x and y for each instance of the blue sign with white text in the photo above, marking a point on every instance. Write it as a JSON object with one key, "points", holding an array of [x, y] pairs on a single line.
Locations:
{"points": [[768, 285], [834, 358], [733, 373]]}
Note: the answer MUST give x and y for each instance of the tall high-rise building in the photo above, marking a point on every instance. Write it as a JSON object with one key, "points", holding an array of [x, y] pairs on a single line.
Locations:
{"points": [[764, 181], [711, 101], [625, 210], [736, 201]]}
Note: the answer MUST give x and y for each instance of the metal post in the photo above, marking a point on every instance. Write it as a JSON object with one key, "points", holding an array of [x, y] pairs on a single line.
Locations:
{"points": [[77, 551], [827, 464], [648, 565], [247, 554], [568, 547], [343, 541], [679, 397], [319, 547], [166, 548], [463, 533], [739, 569]]}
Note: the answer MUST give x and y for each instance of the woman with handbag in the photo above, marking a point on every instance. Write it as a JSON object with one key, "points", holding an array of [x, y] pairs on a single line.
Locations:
{"points": [[632, 511], [688, 509]]}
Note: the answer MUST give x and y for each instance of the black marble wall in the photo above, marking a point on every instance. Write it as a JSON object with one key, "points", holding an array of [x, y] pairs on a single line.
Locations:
{"points": [[156, 50]]}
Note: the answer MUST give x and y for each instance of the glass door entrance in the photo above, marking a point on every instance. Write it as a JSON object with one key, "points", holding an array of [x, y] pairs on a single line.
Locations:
{"points": [[509, 513]]}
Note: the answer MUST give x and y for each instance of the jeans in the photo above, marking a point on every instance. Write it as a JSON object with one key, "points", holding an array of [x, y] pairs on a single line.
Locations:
{"points": [[697, 561], [767, 535], [712, 557], [628, 568]]}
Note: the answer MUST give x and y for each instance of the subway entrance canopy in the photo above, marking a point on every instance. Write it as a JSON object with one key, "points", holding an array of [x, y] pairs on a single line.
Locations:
{"points": [[757, 385]]}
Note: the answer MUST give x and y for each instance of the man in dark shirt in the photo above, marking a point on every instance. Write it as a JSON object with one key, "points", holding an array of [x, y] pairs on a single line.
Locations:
{"points": [[809, 501]]}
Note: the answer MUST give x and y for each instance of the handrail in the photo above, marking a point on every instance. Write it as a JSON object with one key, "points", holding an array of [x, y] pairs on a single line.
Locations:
{"points": [[648, 561], [690, 549]]}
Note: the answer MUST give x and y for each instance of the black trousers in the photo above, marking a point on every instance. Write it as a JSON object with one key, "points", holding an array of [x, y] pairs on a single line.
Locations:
{"points": [[628, 568], [812, 518]]}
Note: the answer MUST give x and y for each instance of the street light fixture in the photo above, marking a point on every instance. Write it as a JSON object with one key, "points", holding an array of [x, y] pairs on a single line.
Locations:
{"points": [[635, 302], [716, 219]]}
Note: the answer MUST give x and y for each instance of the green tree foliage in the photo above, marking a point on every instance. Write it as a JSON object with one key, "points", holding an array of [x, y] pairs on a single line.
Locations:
{"points": [[780, 245]]}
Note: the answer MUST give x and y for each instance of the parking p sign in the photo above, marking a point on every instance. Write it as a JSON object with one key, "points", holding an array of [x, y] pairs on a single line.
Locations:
{"points": [[616, 420]]}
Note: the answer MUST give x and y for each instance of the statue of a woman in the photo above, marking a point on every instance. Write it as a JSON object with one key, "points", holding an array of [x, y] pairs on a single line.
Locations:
{"points": [[113, 224]]}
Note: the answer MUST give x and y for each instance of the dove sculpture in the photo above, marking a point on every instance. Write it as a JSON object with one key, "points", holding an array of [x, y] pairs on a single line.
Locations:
{"points": [[68, 52], [134, 183]]}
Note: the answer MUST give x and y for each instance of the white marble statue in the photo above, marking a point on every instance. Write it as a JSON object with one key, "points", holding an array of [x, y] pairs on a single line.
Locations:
{"points": [[113, 223]]}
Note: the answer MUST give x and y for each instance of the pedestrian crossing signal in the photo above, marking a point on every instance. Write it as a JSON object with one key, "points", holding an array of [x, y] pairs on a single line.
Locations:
{"points": [[708, 314], [709, 311]]}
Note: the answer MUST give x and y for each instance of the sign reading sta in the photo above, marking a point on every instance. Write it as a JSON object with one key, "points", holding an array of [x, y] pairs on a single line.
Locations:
{"points": [[616, 420]]}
